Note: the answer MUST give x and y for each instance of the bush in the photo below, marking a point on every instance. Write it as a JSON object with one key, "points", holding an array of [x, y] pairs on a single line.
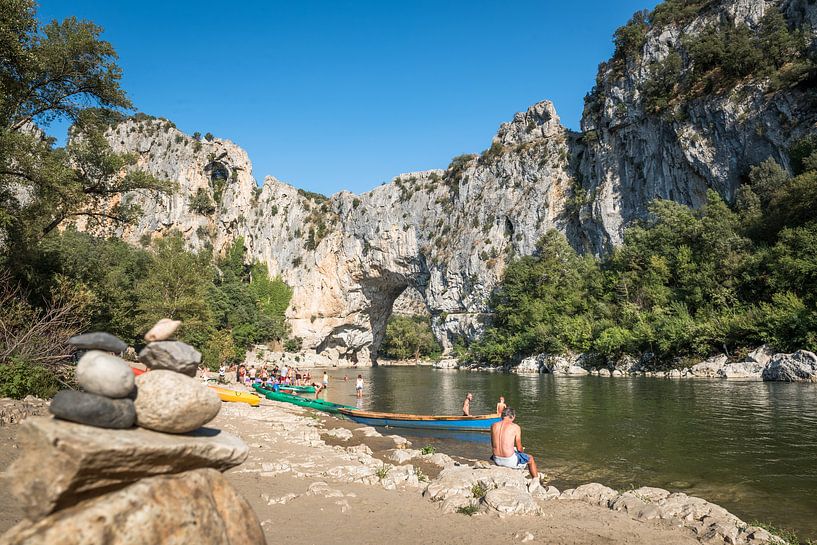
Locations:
{"points": [[201, 203], [409, 337], [19, 379]]}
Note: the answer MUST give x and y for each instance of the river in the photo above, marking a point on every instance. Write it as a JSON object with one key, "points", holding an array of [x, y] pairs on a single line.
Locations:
{"points": [[747, 446]]}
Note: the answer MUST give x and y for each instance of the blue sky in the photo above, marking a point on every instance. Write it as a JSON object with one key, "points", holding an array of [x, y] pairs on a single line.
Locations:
{"points": [[331, 95]]}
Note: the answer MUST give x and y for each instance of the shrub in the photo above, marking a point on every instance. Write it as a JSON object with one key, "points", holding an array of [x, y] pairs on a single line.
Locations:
{"points": [[201, 203], [209, 137], [19, 378]]}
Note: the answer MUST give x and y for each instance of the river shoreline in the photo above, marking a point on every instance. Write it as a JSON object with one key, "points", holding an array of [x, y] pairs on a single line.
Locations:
{"points": [[324, 477]]}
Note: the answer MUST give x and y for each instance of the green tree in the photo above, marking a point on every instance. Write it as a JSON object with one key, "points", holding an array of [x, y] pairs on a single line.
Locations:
{"points": [[409, 337], [176, 287], [219, 350]]}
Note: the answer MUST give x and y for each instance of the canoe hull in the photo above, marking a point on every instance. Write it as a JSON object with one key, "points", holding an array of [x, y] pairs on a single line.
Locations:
{"points": [[317, 404], [480, 424], [225, 394], [298, 389]]}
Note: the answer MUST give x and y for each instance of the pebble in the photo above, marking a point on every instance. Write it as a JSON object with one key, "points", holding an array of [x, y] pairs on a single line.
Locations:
{"points": [[93, 410], [98, 340], [173, 403], [104, 374], [163, 330], [172, 356]]}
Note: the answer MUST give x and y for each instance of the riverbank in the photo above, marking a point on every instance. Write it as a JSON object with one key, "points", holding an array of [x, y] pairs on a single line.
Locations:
{"points": [[316, 479]]}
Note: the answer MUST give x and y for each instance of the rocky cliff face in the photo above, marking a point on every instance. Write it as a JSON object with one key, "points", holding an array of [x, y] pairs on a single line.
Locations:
{"points": [[446, 236]]}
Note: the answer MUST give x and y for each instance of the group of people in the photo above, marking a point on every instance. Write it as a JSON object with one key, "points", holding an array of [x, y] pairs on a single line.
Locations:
{"points": [[506, 438], [274, 376]]}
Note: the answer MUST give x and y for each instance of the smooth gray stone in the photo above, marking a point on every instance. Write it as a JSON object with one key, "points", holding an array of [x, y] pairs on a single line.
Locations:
{"points": [[93, 410], [173, 403], [172, 356], [99, 340], [104, 374]]}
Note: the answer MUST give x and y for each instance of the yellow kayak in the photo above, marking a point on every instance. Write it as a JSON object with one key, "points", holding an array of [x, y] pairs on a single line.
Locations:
{"points": [[240, 397]]}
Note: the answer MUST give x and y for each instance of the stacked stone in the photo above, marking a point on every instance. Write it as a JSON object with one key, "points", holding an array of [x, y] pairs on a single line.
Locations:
{"points": [[99, 480], [167, 399]]}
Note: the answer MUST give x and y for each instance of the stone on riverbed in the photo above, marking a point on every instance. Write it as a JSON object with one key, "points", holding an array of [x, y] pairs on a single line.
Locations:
{"points": [[93, 410], [400, 456], [193, 507], [172, 356], [98, 340], [593, 493], [510, 501], [163, 330], [173, 403], [798, 367], [63, 461], [104, 374], [342, 434]]}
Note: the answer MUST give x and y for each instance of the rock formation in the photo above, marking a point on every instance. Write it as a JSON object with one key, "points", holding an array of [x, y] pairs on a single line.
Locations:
{"points": [[445, 236]]}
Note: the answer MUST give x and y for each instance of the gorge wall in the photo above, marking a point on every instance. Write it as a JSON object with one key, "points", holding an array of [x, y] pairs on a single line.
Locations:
{"points": [[444, 237]]}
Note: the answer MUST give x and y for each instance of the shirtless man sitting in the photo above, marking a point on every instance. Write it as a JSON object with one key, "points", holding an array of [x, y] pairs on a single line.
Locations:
{"points": [[506, 444]]}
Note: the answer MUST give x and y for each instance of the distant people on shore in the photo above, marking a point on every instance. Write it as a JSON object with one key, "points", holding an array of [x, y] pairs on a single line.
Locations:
{"points": [[506, 444], [359, 386], [501, 406], [466, 405]]}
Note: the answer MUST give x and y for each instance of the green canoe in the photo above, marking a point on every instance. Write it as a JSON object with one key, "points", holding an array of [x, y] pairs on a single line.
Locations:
{"points": [[298, 389], [317, 404]]}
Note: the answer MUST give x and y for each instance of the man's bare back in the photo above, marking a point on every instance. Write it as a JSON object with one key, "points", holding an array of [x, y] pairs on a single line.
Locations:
{"points": [[506, 442], [505, 435]]}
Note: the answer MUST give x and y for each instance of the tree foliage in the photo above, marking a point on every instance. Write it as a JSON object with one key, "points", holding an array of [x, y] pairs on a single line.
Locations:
{"points": [[409, 337]]}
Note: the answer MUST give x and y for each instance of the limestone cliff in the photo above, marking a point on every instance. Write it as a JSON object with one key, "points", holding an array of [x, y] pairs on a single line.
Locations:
{"points": [[446, 236]]}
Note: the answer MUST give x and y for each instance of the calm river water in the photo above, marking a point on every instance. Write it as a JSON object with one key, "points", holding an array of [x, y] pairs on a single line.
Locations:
{"points": [[748, 446]]}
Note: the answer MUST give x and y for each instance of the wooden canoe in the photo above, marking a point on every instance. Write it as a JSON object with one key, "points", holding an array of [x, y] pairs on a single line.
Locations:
{"points": [[418, 421]]}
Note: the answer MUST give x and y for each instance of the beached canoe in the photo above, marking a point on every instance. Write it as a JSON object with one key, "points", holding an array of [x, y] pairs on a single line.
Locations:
{"points": [[225, 394], [317, 404], [418, 421], [298, 389]]}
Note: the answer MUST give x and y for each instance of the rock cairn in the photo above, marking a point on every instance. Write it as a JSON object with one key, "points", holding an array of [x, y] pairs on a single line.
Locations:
{"points": [[127, 460]]}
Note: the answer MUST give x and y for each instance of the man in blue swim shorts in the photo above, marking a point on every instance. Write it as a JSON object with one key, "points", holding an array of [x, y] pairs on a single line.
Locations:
{"points": [[506, 444]]}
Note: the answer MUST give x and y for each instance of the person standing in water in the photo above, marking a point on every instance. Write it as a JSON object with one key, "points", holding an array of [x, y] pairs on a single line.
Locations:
{"points": [[359, 386], [325, 379], [506, 444], [466, 405], [501, 405]]}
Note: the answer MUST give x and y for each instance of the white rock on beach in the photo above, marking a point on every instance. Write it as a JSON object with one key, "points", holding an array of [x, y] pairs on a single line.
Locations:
{"points": [[510, 501], [104, 374], [743, 369], [173, 403]]}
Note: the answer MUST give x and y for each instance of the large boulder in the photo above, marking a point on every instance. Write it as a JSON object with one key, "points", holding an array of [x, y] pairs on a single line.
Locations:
{"points": [[761, 355], [593, 493], [743, 369], [511, 501], [173, 403], [708, 368], [530, 365], [63, 461], [193, 507], [798, 367]]}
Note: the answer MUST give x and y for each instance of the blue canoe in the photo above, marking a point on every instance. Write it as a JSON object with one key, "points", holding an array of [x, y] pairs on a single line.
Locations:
{"points": [[417, 421]]}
